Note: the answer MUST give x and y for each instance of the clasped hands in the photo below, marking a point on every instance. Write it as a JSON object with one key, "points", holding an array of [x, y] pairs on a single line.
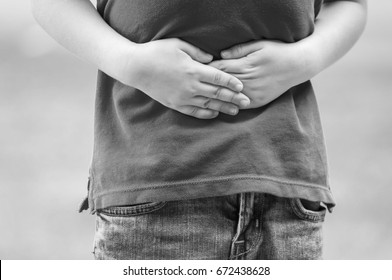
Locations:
{"points": [[184, 78], [266, 69]]}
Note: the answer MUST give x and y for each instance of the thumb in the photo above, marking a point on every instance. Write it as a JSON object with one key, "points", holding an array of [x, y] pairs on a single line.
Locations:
{"points": [[241, 50], [195, 53]]}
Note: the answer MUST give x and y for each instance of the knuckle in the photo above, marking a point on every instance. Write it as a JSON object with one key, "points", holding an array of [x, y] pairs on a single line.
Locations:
{"points": [[194, 112], [217, 78], [218, 93], [215, 105], [206, 103], [220, 107], [192, 89], [190, 71], [221, 67], [229, 81], [232, 97], [211, 105]]}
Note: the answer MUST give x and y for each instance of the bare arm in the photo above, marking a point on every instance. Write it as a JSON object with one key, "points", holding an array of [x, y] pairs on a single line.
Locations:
{"points": [[77, 26], [338, 27], [269, 68], [171, 71]]}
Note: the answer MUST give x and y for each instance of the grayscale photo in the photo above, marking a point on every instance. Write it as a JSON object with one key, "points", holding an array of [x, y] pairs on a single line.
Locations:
{"points": [[196, 130]]}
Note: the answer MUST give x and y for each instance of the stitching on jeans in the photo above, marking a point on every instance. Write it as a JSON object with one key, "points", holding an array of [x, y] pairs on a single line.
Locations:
{"points": [[241, 219], [143, 209], [240, 226], [219, 179], [315, 218], [258, 237]]}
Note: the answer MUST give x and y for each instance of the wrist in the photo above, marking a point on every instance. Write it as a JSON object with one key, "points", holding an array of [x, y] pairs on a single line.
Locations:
{"points": [[119, 60]]}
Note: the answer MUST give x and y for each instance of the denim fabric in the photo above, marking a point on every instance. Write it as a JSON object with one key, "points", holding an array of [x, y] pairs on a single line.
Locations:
{"points": [[242, 226]]}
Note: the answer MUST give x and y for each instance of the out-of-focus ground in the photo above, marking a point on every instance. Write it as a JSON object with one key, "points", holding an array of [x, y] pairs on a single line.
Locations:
{"points": [[46, 126]]}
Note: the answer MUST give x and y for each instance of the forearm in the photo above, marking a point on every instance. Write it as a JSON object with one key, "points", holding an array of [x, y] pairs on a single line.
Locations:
{"points": [[77, 26], [338, 26]]}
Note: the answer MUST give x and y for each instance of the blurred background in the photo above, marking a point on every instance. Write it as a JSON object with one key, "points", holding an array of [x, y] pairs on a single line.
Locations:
{"points": [[46, 139]]}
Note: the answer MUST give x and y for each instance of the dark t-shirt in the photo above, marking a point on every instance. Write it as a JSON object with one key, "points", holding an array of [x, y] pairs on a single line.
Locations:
{"points": [[144, 151]]}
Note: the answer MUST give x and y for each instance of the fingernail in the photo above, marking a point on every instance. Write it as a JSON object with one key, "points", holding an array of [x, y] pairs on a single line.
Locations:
{"points": [[215, 114], [244, 103], [224, 54], [238, 87], [234, 111]]}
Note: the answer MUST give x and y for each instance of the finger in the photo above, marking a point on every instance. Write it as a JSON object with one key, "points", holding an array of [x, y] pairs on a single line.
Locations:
{"points": [[216, 77], [234, 66], [242, 50], [194, 52], [198, 112], [224, 94], [216, 105]]}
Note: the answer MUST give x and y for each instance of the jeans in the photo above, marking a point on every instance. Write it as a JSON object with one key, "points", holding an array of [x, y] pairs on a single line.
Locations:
{"points": [[239, 227]]}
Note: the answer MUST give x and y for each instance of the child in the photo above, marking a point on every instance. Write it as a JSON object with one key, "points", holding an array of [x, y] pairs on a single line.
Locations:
{"points": [[208, 142]]}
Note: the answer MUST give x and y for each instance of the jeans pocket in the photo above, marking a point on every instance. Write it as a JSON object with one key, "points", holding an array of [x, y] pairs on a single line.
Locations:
{"points": [[308, 210], [132, 210]]}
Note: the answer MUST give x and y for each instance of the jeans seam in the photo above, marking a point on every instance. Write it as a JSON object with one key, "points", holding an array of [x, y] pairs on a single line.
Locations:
{"points": [[252, 247], [239, 226], [258, 238]]}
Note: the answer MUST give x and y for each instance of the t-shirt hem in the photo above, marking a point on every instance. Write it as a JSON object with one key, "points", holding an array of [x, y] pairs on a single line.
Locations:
{"points": [[220, 186]]}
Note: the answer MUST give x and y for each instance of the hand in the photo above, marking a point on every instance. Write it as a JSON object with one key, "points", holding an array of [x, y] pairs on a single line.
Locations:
{"points": [[172, 72], [267, 69]]}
